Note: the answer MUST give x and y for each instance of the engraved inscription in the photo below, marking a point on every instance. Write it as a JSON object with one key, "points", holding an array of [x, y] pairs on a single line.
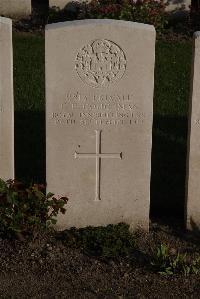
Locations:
{"points": [[91, 109], [100, 63], [197, 122], [98, 156]]}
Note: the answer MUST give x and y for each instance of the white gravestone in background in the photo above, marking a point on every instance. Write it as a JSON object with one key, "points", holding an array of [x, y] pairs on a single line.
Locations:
{"points": [[193, 159], [177, 5], [15, 8], [99, 108], [59, 3], [6, 101]]}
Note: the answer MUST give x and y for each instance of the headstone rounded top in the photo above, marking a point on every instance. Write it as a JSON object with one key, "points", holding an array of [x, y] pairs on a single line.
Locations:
{"points": [[100, 63], [197, 34], [5, 20], [101, 22]]}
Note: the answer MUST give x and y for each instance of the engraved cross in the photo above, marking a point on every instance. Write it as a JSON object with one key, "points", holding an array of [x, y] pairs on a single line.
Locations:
{"points": [[98, 156]]}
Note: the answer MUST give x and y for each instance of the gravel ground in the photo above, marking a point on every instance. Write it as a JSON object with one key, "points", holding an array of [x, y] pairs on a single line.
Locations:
{"points": [[48, 268]]}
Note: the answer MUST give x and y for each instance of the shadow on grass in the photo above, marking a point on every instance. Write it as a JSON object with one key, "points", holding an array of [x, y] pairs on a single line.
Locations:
{"points": [[30, 146], [168, 167]]}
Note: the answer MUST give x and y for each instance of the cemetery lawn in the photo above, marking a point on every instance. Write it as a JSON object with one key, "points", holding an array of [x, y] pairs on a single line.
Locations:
{"points": [[105, 263]]}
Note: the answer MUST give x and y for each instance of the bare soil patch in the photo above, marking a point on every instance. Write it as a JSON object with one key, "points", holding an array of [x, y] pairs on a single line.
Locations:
{"points": [[49, 267]]}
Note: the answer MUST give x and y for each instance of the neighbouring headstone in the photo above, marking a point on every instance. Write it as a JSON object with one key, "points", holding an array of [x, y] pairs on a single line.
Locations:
{"points": [[59, 3], [99, 109], [177, 6], [6, 101], [15, 8], [193, 158]]}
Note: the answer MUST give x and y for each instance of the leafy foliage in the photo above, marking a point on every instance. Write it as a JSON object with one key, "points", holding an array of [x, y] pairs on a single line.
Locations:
{"points": [[110, 241], [24, 210], [167, 264], [142, 11], [60, 15]]}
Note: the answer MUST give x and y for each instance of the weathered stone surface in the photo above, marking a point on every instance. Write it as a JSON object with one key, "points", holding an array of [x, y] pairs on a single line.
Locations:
{"points": [[99, 108], [15, 8], [193, 159], [6, 101]]}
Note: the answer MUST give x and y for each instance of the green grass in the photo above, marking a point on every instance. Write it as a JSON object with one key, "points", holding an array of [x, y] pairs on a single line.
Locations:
{"points": [[172, 80], [29, 86], [172, 87], [29, 72]]}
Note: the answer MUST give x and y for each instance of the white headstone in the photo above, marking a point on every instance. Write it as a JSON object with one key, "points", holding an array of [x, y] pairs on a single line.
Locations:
{"points": [[193, 159], [6, 101], [99, 108], [15, 8], [177, 6], [59, 3]]}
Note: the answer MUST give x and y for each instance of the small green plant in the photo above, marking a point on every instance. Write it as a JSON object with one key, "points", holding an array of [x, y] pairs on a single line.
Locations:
{"points": [[193, 267], [161, 260], [110, 241], [24, 211], [166, 264]]}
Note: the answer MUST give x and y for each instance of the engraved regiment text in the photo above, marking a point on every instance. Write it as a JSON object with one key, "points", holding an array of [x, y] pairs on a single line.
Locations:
{"points": [[102, 109]]}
